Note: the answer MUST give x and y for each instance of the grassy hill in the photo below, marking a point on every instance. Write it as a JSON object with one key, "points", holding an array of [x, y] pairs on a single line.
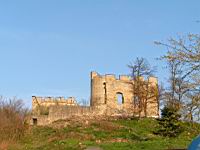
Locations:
{"points": [[109, 135]]}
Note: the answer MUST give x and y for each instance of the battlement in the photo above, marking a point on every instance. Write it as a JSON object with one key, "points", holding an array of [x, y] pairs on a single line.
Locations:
{"points": [[52, 101], [110, 77], [124, 78], [94, 74], [47, 99], [152, 80]]}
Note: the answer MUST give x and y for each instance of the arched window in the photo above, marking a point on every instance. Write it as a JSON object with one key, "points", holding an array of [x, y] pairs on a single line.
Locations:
{"points": [[120, 98]]}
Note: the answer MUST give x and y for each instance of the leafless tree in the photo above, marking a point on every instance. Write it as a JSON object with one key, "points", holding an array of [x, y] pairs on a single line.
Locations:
{"points": [[140, 68], [183, 61], [84, 102], [13, 117]]}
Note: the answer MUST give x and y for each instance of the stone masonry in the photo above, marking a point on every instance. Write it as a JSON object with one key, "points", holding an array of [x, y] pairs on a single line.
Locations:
{"points": [[106, 89], [110, 96]]}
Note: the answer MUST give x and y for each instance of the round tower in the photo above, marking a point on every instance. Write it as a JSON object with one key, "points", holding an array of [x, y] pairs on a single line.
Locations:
{"points": [[98, 89]]}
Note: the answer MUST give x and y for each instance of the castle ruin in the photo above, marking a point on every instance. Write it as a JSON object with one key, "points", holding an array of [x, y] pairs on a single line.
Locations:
{"points": [[110, 96]]}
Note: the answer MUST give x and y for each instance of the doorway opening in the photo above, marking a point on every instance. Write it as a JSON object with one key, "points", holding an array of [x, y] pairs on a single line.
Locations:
{"points": [[34, 121]]}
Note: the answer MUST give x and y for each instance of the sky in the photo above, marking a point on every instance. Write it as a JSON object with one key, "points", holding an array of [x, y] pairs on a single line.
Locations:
{"points": [[49, 47]]}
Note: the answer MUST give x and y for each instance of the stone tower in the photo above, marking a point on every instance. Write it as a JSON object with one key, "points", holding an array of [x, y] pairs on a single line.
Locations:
{"points": [[106, 90]]}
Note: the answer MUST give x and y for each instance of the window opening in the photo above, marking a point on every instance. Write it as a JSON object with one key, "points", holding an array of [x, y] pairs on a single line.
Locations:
{"points": [[120, 98], [34, 121], [105, 93]]}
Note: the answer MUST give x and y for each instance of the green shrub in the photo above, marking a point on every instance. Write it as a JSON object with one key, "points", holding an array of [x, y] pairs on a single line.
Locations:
{"points": [[169, 123]]}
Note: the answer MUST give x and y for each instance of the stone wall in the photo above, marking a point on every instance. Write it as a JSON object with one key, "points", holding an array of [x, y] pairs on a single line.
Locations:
{"points": [[62, 112], [105, 90], [40, 102]]}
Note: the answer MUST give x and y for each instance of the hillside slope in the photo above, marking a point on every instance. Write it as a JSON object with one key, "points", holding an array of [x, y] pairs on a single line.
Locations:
{"points": [[108, 134]]}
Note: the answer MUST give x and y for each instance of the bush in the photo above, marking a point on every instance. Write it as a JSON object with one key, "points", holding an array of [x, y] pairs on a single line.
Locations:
{"points": [[169, 123], [13, 117]]}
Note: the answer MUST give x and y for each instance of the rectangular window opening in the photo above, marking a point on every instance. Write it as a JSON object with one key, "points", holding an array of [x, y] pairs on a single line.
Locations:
{"points": [[34, 121]]}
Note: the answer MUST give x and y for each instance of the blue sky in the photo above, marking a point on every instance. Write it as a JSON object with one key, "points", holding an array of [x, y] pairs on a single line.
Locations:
{"points": [[49, 47]]}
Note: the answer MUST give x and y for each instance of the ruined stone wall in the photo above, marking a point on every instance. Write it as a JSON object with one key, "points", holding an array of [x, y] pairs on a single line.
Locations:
{"points": [[104, 100], [62, 112], [105, 89], [39, 103]]}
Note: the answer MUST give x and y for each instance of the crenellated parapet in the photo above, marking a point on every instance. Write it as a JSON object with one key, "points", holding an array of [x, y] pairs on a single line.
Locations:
{"points": [[52, 101], [124, 78], [95, 75]]}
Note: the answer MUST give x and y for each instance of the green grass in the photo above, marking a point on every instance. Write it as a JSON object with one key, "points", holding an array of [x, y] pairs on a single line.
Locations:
{"points": [[109, 135]]}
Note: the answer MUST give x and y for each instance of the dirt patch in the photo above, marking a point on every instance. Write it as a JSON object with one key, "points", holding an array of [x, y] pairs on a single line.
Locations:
{"points": [[93, 148], [119, 140], [85, 121]]}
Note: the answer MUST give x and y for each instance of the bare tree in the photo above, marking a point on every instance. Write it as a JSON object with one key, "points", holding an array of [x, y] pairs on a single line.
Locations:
{"points": [[13, 117], [140, 68], [183, 61], [84, 102]]}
